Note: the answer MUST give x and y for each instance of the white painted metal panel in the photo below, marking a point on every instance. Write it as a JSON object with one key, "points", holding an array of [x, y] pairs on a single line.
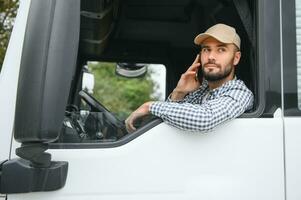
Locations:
{"points": [[293, 157], [293, 128], [242, 159], [9, 79]]}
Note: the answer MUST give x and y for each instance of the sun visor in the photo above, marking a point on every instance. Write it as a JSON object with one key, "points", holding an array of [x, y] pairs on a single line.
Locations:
{"points": [[47, 67]]}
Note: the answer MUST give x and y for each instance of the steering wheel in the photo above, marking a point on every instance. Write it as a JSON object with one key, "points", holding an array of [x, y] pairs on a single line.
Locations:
{"points": [[98, 107]]}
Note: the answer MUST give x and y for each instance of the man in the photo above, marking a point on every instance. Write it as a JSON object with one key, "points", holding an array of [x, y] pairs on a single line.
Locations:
{"points": [[202, 103]]}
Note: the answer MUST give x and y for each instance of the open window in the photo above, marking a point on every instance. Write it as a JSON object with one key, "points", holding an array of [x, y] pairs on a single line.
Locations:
{"points": [[138, 31], [107, 98]]}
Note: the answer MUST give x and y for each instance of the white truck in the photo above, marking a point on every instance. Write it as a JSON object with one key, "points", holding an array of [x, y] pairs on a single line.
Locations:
{"points": [[49, 151]]}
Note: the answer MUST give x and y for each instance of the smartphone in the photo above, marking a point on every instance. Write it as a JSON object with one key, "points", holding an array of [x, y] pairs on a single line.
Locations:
{"points": [[200, 71]]}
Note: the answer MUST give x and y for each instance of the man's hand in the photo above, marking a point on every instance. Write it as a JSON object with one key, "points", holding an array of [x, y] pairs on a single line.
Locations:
{"points": [[143, 110], [188, 81]]}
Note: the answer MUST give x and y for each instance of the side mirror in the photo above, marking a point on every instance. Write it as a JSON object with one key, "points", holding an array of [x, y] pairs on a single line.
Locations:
{"points": [[47, 67], [131, 70], [88, 82]]}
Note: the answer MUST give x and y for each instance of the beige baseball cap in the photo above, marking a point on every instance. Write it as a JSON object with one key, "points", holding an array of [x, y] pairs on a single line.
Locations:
{"points": [[223, 33]]}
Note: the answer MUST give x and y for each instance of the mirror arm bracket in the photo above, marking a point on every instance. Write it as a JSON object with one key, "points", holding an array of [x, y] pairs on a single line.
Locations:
{"points": [[33, 171], [35, 153]]}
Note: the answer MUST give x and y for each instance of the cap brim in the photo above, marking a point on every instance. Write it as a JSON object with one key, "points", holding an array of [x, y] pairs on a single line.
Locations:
{"points": [[203, 36]]}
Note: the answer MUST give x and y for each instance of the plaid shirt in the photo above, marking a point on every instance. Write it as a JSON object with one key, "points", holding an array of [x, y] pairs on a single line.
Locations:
{"points": [[204, 109]]}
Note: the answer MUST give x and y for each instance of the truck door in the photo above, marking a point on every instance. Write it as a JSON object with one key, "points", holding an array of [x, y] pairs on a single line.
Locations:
{"points": [[291, 29], [241, 159]]}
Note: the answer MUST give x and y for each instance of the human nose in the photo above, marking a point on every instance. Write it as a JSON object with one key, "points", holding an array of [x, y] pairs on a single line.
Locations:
{"points": [[211, 56]]}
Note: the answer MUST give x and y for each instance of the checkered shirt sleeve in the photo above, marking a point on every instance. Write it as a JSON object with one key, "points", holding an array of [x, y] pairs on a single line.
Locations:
{"points": [[195, 113]]}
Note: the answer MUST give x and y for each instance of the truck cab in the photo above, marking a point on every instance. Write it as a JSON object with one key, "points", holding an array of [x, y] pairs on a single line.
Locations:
{"points": [[60, 139]]}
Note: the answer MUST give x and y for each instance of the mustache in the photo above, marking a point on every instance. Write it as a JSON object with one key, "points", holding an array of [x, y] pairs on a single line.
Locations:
{"points": [[211, 63]]}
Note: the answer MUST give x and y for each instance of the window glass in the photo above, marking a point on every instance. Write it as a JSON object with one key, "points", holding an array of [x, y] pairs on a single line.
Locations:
{"points": [[8, 11], [122, 95], [107, 99], [298, 33]]}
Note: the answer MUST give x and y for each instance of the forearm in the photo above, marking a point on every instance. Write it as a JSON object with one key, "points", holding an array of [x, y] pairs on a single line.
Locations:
{"points": [[183, 116], [194, 117], [177, 95], [140, 112], [187, 97]]}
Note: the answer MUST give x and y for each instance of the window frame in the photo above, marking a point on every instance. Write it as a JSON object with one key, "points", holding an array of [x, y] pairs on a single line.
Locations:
{"points": [[289, 40], [262, 107]]}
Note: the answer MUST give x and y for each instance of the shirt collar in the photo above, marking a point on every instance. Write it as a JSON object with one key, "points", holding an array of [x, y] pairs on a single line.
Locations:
{"points": [[205, 83]]}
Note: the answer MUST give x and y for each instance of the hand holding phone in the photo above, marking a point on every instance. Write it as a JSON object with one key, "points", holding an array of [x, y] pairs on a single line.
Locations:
{"points": [[188, 81]]}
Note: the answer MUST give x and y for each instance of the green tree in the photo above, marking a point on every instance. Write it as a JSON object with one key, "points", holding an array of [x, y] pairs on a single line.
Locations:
{"points": [[118, 94], [8, 11]]}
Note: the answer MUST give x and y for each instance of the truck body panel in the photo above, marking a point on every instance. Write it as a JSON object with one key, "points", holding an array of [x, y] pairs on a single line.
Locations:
{"points": [[256, 156], [9, 80], [235, 161]]}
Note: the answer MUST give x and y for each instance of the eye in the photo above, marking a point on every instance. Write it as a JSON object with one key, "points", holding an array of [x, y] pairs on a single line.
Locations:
{"points": [[221, 49], [205, 50]]}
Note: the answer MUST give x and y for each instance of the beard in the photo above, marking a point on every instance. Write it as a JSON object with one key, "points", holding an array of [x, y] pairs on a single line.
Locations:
{"points": [[217, 76]]}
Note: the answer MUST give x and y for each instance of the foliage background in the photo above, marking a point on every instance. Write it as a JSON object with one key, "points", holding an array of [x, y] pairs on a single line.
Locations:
{"points": [[118, 94], [8, 11]]}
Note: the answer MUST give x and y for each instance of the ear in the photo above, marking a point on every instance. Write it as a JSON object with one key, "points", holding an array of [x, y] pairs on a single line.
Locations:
{"points": [[237, 56]]}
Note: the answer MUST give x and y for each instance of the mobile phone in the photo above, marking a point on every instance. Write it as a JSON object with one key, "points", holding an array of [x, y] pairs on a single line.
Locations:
{"points": [[200, 71], [200, 74]]}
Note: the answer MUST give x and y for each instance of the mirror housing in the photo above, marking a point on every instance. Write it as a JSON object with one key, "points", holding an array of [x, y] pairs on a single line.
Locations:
{"points": [[48, 63], [131, 70]]}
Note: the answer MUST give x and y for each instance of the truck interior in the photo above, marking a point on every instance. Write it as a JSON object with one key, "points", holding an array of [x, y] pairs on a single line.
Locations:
{"points": [[157, 31], [153, 31], [162, 31]]}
